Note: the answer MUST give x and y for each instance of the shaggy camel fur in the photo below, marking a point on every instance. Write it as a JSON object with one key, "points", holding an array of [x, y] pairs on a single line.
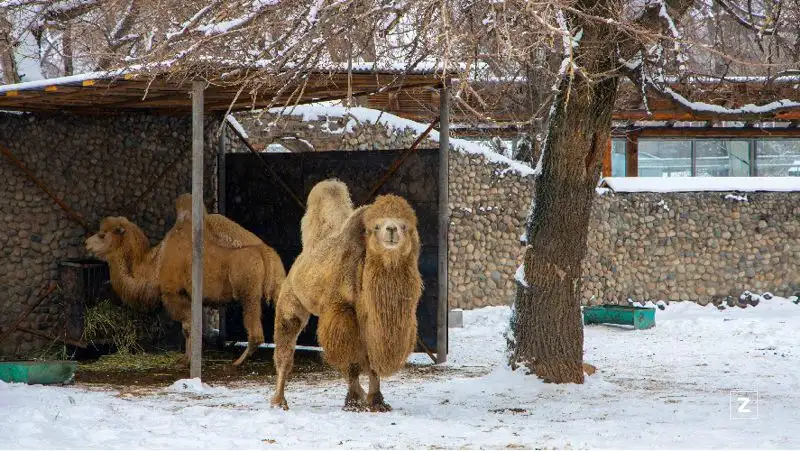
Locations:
{"points": [[132, 263], [136, 268], [244, 269], [226, 233], [358, 272]]}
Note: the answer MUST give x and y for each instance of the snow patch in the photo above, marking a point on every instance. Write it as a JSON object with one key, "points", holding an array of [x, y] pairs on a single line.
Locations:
{"points": [[673, 382], [519, 276], [702, 184], [736, 198], [194, 385]]}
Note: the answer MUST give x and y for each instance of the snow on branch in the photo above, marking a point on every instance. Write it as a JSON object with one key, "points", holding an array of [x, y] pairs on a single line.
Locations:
{"points": [[664, 14], [65, 10], [197, 17], [118, 37], [743, 21], [256, 9]]}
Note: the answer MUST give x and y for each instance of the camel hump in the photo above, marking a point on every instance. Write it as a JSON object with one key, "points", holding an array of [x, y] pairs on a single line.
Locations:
{"points": [[327, 208]]}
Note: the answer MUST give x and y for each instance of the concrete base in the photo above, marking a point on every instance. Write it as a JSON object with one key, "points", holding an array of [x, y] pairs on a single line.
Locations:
{"points": [[455, 318]]}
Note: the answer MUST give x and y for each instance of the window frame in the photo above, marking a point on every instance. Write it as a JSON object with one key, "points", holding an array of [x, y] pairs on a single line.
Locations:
{"points": [[751, 148]]}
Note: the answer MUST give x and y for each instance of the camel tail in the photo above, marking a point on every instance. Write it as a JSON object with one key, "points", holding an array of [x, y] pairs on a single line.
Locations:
{"points": [[274, 273]]}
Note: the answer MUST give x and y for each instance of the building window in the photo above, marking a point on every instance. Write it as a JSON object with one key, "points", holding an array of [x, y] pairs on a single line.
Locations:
{"points": [[721, 158], [665, 158], [778, 157], [708, 157], [619, 162]]}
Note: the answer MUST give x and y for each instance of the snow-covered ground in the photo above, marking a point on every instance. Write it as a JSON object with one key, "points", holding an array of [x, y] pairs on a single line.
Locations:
{"points": [[667, 387]]}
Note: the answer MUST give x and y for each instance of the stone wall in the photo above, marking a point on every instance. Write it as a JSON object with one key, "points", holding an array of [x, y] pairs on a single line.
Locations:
{"points": [[701, 247], [488, 206], [325, 133], [98, 166]]}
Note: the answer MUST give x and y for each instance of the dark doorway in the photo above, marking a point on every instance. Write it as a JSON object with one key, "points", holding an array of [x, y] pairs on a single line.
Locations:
{"points": [[253, 198]]}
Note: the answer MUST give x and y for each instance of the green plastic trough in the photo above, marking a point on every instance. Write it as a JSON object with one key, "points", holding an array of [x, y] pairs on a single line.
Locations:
{"points": [[638, 317], [44, 372]]}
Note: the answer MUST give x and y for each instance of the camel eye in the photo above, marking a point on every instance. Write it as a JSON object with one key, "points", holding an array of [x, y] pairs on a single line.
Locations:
{"points": [[403, 227], [101, 235], [377, 227]]}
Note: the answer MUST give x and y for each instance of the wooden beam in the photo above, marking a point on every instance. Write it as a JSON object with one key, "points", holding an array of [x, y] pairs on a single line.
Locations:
{"points": [[444, 224], [681, 115], [717, 132], [607, 159], [632, 155], [197, 229]]}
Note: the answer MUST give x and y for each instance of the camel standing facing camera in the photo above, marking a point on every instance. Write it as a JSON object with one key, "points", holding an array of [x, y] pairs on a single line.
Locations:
{"points": [[358, 272]]}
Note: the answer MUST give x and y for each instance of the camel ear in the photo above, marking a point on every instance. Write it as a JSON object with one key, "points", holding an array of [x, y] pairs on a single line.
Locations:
{"points": [[119, 231]]}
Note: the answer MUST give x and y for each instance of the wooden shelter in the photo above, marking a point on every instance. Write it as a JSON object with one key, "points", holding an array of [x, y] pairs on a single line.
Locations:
{"points": [[124, 91]]}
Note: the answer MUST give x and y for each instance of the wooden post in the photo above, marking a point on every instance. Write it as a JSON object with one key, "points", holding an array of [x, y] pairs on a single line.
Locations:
{"points": [[221, 207], [632, 154], [607, 161], [197, 228], [444, 224]]}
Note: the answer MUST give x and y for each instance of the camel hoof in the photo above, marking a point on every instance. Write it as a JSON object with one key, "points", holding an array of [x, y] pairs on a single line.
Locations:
{"points": [[353, 407], [279, 402], [379, 407], [375, 403], [354, 402]]}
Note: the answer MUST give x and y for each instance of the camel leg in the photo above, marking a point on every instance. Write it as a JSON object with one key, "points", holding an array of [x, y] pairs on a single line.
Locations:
{"points": [[290, 318], [354, 401], [252, 323], [176, 306], [339, 336], [375, 402], [187, 344]]}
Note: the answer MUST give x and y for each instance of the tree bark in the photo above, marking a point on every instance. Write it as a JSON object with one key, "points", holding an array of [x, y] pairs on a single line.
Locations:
{"points": [[7, 63], [547, 323], [67, 49], [548, 330]]}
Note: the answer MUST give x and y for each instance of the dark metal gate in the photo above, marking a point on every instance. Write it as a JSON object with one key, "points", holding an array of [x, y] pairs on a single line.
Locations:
{"points": [[255, 199]]}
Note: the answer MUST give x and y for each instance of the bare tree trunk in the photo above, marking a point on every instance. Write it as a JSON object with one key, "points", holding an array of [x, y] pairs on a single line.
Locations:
{"points": [[548, 328], [7, 63], [67, 48]]}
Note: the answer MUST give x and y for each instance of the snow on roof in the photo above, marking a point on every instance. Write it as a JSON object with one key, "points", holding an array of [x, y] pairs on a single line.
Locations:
{"points": [[60, 81], [423, 68], [701, 184], [321, 110]]}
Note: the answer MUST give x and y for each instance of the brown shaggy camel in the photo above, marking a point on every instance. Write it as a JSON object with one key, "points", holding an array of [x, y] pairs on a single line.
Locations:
{"points": [[132, 263], [243, 269], [136, 270], [358, 272]]}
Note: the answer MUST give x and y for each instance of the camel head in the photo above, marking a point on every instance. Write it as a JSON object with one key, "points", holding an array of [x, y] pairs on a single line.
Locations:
{"points": [[391, 229], [117, 234], [183, 208]]}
